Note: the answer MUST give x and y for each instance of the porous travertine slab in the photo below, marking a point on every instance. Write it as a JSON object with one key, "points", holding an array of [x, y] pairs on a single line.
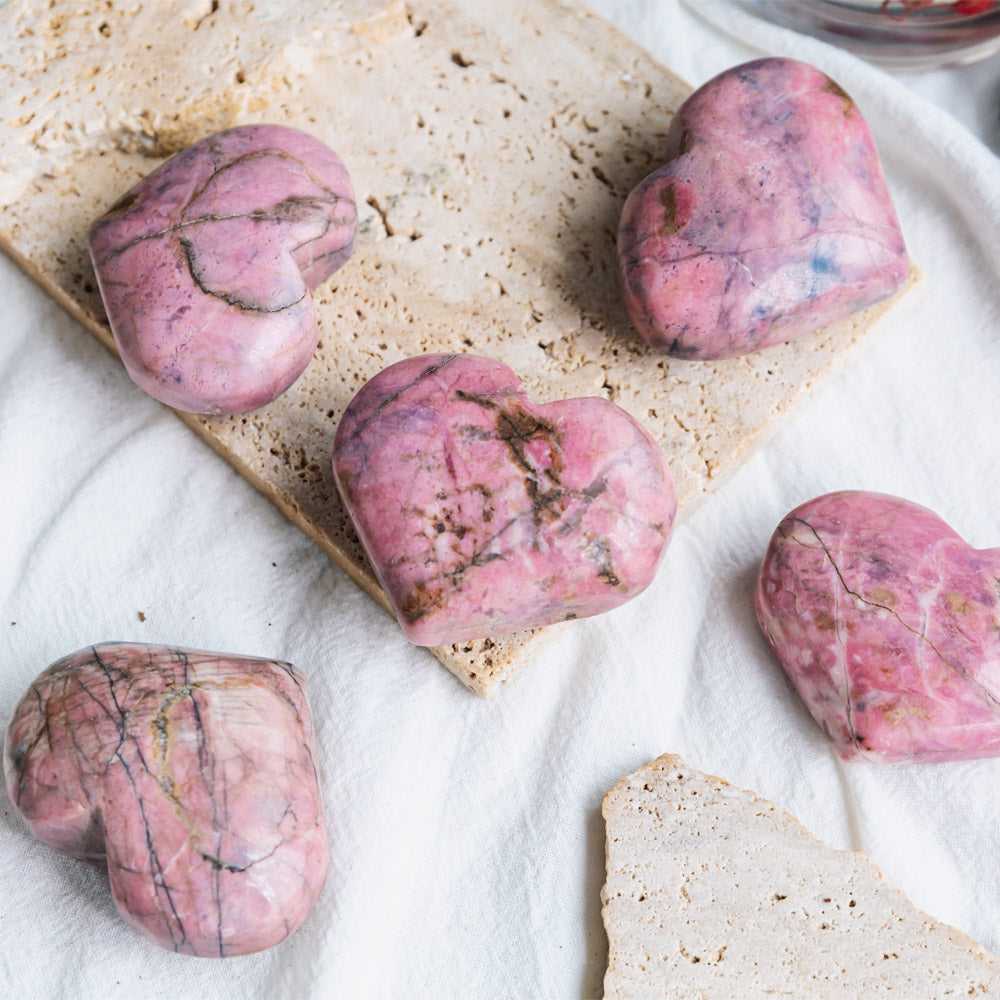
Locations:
{"points": [[715, 893], [489, 195]]}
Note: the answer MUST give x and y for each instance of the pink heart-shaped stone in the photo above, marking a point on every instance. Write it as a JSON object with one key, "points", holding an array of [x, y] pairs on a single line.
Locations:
{"points": [[483, 513], [206, 265], [772, 218], [191, 775], [888, 625]]}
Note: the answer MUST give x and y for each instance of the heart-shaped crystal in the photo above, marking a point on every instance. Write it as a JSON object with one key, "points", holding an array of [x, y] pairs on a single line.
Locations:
{"points": [[191, 775], [772, 218], [886, 622], [483, 513], [206, 266]]}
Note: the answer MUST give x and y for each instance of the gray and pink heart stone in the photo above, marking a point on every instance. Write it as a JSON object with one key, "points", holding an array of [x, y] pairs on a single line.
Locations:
{"points": [[771, 219], [888, 625], [206, 266], [483, 513], [191, 776]]}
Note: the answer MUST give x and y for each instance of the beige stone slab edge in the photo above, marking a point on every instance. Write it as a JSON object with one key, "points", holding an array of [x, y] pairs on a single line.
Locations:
{"points": [[503, 656]]}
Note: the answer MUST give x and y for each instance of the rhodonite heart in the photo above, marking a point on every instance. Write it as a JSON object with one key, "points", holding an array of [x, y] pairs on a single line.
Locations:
{"points": [[191, 775], [771, 219], [206, 266], [484, 514], [886, 622]]}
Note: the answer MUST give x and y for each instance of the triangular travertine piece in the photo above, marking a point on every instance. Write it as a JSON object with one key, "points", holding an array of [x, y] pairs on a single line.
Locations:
{"points": [[715, 894]]}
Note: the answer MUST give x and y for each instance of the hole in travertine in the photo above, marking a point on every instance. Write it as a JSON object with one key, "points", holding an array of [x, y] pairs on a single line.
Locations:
{"points": [[372, 202], [459, 60], [419, 27], [602, 177], [105, 29], [240, 76]]}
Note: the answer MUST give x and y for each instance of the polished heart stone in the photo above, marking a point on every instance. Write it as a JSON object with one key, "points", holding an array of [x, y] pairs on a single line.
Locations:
{"points": [[771, 219], [886, 622], [191, 775], [484, 514], [206, 266]]}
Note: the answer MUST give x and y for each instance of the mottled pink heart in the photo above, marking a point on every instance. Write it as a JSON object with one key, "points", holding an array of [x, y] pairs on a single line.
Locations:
{"points": [[483, 513], [888, 625], [206, 266], [772, 218], [191, 775]]}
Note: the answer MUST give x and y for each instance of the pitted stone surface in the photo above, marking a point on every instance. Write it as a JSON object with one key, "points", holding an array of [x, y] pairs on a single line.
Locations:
{"points": [[715, 893]]}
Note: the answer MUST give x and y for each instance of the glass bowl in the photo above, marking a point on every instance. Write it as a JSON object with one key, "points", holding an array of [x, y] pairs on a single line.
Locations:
{"points": [[896, 34]]}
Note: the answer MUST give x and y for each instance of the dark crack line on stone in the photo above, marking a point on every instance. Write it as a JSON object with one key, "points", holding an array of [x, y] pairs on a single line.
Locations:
{"points": [[985, 696], [257, 215], [425, 374], [447, 582], [19, 757], [258, 154], [120, 721], [231, 298], [156, 868]]}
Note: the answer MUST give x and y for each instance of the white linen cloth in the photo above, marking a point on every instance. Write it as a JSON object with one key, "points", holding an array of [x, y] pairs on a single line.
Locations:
{"points": [[467, 845]]}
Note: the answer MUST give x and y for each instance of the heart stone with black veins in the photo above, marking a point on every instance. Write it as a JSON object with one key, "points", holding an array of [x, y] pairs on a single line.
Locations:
{"points": [[206, 266], [771, 219], [191, 776], [888, 625], [483, 513]]}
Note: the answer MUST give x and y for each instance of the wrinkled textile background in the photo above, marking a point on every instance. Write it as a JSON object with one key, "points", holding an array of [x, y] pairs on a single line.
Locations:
{"points": [[467, 841]]}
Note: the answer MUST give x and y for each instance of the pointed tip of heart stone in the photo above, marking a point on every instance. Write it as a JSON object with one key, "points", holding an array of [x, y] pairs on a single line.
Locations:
{"points": [[191, 775], [206, 266], [885, 621], [483, 513], [771, 219]]}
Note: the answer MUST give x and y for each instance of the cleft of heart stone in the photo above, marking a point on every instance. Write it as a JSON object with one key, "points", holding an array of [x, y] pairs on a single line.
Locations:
{"points": [[888, 625], [483, 513], [206, 266]]}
